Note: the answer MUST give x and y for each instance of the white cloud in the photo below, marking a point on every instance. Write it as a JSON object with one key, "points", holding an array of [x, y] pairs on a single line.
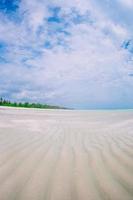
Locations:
{"points": [[84, 67], [128, 3]]}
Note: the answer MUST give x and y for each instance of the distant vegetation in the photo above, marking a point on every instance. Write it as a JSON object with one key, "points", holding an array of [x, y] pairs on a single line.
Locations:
{"points": [[4, 102]]}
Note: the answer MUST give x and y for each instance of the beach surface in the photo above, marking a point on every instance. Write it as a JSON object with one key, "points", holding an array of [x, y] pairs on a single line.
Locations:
{"points": [[66, 155]]}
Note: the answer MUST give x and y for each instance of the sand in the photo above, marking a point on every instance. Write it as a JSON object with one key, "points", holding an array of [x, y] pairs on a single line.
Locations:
{"points": [[66, 155]]}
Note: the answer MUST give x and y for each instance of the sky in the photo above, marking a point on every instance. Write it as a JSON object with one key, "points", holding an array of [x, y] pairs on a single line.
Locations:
{"points": [[73, 53]]}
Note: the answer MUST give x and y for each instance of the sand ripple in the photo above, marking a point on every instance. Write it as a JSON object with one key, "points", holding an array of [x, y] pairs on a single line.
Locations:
{"points": [[66, 155]]}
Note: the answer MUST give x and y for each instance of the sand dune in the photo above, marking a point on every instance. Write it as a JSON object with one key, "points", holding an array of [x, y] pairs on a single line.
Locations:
{"points": [[66, 155]]}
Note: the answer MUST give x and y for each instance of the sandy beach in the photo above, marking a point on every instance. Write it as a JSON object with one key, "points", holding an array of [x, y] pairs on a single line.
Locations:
{"points": [[66, 155]]}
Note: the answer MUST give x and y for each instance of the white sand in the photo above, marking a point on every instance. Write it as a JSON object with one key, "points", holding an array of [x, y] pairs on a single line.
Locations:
{"points": [[66, 155]]}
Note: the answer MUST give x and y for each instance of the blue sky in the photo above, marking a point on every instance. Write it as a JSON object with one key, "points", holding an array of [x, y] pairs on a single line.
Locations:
{"points": [[75, 53]]}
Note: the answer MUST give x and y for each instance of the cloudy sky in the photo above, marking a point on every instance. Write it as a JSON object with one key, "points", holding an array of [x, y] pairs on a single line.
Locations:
{"points": [[75, 53]]}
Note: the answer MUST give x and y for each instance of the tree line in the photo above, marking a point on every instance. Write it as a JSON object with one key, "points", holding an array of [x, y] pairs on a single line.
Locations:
{"points": [[4, 102]]}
